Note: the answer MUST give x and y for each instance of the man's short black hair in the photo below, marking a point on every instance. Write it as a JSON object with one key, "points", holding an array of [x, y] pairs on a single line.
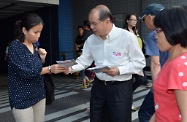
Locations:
{"points": [[86, 23]]}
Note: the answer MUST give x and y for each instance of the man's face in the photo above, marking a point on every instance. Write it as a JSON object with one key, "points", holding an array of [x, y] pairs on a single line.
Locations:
{"points": [[80, 31], [97, 26], [149, 21]]}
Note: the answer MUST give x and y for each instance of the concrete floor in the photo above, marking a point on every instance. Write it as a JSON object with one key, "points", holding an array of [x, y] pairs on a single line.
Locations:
{"points": [[71, 101]]}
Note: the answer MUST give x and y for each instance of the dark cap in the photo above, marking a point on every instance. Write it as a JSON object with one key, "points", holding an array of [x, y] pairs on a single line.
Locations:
{"points": [[152, 9]]}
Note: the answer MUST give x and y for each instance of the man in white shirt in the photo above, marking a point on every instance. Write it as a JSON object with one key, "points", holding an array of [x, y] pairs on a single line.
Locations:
{"points": [[118, 49]]}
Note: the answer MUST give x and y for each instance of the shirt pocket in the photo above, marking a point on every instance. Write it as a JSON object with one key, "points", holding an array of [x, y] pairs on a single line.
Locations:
{"points": [[116, 56]]}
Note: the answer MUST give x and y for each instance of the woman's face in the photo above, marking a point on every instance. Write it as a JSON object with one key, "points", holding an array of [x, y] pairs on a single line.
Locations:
{"points": [[162, 42], [132, 21], [33, 34]]}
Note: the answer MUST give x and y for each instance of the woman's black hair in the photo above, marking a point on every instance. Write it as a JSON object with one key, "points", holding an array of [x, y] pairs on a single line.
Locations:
{"points": [[125, 26], [173, 22], [28, 21]]}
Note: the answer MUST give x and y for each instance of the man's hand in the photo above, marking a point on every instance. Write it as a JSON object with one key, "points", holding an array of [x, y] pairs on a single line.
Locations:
{"points": [[112, 71], [68, 70], [55, 68]]}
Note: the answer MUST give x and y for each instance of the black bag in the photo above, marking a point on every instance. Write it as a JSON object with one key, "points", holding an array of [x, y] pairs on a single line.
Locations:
{"points": [[50, 88]]}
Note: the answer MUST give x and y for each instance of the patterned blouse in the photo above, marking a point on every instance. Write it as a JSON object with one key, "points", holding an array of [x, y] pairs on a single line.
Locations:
{"points": [[25, 84]]}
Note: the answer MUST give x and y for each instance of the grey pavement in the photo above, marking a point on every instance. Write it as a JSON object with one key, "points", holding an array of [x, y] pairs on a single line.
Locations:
{"points": [[71, 101]]}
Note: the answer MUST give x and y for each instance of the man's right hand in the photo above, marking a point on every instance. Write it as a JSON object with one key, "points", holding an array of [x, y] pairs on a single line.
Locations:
{"points": [[68, 70]]}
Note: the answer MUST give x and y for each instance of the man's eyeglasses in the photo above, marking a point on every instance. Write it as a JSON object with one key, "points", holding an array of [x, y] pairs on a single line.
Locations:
{"points": [[158, 30], [143, 18], [94, 23]]}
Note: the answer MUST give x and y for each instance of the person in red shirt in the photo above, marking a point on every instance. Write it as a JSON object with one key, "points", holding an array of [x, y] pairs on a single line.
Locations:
{"points": [[170, 86]]}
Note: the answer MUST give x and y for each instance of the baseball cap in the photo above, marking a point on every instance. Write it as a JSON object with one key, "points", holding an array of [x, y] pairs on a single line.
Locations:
{"points": [[152, 9]]}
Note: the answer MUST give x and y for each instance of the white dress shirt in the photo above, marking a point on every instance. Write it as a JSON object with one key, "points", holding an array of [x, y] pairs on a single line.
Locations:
{"points": [[120, 49]]}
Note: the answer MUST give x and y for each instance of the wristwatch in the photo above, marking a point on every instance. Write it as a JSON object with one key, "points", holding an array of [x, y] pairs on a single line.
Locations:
{"points": [[49, 68]]}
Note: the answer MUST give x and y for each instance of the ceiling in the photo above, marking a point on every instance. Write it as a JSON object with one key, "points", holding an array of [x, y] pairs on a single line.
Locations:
{"points": [[10, 8]]}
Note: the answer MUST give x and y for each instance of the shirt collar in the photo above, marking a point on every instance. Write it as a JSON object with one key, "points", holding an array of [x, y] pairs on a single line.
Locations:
{"points": [[111, 34]]}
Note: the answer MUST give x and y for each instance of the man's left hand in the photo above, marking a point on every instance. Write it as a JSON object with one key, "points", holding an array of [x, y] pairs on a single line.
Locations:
{"points": [[112, 71]]}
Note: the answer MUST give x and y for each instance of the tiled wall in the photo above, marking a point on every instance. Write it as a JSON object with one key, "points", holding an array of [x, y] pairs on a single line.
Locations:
{"points": [[81, 9], [73, 13], [65, 28]]}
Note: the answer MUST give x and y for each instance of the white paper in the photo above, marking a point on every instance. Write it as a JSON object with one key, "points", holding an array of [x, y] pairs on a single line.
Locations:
{"points": [[67, 63], [98, 69]]}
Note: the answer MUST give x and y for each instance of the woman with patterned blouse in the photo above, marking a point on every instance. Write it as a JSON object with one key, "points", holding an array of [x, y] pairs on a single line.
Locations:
{"points": [[25, 81]]}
